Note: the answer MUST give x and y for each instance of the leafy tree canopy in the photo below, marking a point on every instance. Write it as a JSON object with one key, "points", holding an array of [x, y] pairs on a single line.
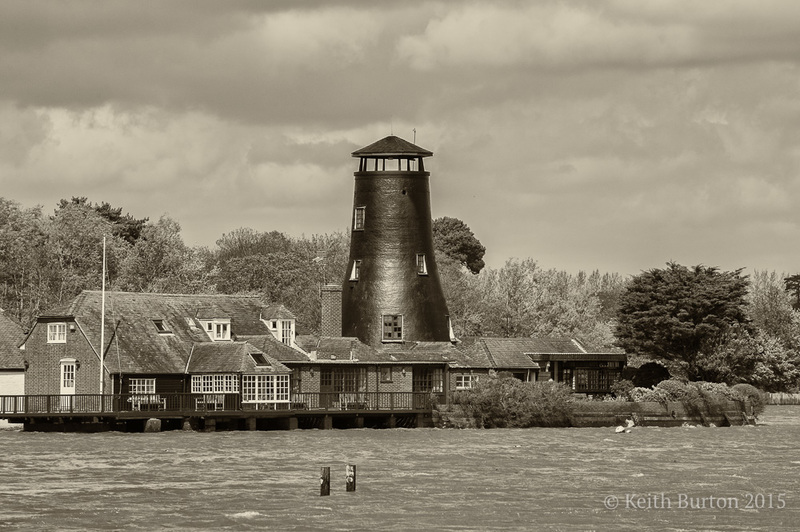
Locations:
{"points": [[454, 238], [676, 312], [124, 226]]}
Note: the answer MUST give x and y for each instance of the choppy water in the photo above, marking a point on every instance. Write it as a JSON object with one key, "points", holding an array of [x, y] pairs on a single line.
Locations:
{"points": [[417, 479]]}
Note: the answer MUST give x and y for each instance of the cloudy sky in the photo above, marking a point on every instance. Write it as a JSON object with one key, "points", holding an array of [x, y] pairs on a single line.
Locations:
{"points": [[611, 135]]}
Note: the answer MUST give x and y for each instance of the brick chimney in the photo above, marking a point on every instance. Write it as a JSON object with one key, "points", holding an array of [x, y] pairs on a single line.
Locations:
{"points": [[331, 310]]}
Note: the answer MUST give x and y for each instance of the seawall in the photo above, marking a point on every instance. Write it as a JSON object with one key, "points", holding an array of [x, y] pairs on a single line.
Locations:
{"points": [[615, 413]]}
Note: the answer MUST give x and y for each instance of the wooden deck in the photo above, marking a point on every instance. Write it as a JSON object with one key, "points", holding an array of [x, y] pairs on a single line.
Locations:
{"points": [[207, 411]]}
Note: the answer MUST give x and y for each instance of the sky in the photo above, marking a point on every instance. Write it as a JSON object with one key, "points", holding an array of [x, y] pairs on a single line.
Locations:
{"points": [[587, 135]]}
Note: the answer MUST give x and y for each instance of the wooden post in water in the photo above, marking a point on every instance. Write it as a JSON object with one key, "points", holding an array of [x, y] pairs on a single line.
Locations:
{"points": [[325, 481], [350, 477]]}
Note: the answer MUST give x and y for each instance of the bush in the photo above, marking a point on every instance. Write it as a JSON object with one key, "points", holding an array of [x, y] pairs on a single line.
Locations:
{"points": [[757, 398], [503, 401], [622, 389]]}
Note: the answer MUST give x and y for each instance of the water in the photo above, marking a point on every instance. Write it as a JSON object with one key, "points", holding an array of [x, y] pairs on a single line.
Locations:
{"points": [[420, 479]]}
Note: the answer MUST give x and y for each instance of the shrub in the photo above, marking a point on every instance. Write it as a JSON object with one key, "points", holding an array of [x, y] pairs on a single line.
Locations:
{"points": [[622, 388], [503, 401], [757, 398]]}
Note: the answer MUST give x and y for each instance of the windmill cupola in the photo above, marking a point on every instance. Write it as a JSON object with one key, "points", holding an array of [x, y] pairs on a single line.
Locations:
{"points": [[391, 154], [391, 291]]}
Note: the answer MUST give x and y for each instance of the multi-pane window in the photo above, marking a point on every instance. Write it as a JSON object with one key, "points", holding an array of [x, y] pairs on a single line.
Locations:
{"points": [[392, 327], [428, 380], [218, 330], [140, 386], [265, 388], [67, 375], [343, 380], [356, 271], [286, 332], [215, 383], [595, 379], [56, 333], [422, 267], [465, 382], [358, 218]]}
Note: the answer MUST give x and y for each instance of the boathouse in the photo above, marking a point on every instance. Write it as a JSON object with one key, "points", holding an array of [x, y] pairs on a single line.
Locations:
{"points": [[12, 367]]}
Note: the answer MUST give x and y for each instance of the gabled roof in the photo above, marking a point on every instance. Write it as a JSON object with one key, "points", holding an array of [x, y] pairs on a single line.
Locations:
{"points": [[11, 335], [391, 145], [231, 357], [135, 345], [276, 311]]}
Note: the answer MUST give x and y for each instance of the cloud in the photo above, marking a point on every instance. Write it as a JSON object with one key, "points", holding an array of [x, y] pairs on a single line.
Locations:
{"points": [[616, 134]]}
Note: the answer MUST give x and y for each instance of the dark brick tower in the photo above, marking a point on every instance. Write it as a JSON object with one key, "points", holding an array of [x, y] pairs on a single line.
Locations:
{"points": [[391, 291]]}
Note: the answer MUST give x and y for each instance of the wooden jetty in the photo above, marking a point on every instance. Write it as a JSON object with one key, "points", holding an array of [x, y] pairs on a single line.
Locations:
{"points": [[211, 412]]}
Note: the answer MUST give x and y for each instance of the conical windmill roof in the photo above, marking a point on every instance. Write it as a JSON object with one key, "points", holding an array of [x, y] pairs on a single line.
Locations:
{"points": [[392, 146]]}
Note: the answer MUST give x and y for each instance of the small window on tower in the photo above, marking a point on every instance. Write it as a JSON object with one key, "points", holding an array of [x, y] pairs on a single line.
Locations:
{"points": [[422, 267], [358, 218], [356, 271], [393, 328]]}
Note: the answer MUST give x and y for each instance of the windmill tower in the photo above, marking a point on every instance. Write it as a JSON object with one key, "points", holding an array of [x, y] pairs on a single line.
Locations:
{"points": [[391, 291]]}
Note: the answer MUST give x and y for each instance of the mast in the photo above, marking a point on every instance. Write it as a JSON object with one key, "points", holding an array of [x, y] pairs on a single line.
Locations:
{"points": [[103, 320]]}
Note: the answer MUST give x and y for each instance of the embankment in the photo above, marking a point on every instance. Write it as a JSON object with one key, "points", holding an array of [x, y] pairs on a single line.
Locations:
{"points": [[615, 413]]}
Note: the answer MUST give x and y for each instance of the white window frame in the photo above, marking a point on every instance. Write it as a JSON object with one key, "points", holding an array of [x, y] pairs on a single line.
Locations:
{"points": [[265, 388], [215, 383], [142, 386], [219, 330], [68, 373], [57, 333], [466, 381], [355, 273], [359, 218], [286, 332], [422, 264]]}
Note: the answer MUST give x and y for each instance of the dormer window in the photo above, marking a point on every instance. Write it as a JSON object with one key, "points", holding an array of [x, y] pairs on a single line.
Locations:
{"points": [[283, 330], [218, 329], [162, 327]]}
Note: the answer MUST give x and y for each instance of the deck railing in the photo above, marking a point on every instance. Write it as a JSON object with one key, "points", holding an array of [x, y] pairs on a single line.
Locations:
{"points": [[213, 402]]}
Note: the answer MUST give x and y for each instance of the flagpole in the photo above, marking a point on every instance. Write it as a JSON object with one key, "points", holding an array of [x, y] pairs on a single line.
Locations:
{"points": [[103, 320]]}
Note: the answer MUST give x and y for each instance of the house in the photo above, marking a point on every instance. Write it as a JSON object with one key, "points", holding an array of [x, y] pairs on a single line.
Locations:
{"points": [[559, 359], [227, 348], [12, 367]]}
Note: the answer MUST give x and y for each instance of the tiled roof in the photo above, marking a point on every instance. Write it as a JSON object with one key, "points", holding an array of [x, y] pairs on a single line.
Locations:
{"points": [[512, 353], [134, 345], [339, 349], [392, 145], [11, 336], [274, 348], [276, 311], [230, 357]]}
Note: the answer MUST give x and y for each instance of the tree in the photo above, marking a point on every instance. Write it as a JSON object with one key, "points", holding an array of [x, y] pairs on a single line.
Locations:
{"points": [[124, 226], [792, 284], [453, 238], [161, 262], [676, 312]]}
